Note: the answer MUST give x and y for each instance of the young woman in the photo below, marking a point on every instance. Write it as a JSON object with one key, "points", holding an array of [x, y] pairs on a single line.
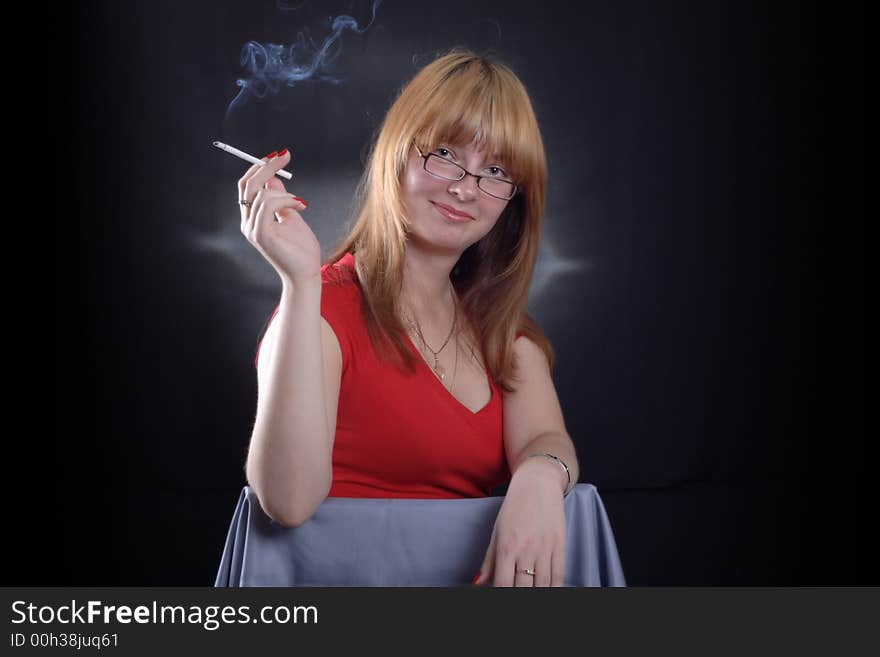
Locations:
{"points": [[405, 364]]}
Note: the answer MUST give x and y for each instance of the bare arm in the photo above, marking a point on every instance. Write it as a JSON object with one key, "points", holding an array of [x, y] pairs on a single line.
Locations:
{"points": [[289, 463]]}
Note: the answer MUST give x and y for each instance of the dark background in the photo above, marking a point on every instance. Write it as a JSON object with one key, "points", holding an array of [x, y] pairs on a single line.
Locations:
{"points": [[702, 272]]}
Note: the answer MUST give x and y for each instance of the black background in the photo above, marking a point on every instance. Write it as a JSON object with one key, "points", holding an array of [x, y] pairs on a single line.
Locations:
{"points": [[706, 177]]}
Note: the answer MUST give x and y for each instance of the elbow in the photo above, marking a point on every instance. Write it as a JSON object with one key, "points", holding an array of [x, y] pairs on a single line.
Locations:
{"points": [[301, 513], [294, 512], [295, 516], [287, 521], [286, 515]]}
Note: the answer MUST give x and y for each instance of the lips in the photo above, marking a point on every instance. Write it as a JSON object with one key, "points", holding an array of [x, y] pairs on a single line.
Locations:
{"points": [[455, 213]]}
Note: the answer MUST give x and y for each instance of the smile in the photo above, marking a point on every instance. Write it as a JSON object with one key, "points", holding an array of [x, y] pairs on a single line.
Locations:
{"points": [[452, 215]]}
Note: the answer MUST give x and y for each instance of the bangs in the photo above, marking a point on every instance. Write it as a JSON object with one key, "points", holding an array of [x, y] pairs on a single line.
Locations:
{"points": [[477, 104]]}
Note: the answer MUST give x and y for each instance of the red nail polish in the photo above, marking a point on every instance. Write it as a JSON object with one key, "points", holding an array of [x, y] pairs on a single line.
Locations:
{"points": [[302, 200], [474, 580], [282, 153], [271, 155]]}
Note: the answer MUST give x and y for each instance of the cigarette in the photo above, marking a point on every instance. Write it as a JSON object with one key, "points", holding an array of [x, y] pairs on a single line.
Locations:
{"points": [[249, 158]]}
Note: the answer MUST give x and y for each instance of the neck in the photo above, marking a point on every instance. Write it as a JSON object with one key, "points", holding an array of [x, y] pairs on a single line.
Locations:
{"points": [[426, 284]]}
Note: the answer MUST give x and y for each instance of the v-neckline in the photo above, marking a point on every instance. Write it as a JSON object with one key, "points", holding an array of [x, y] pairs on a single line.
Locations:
{"points": [[419, 357], [445, 389]]}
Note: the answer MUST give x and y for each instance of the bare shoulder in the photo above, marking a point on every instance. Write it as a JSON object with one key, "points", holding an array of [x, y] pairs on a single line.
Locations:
{"points": [[529, 356]]}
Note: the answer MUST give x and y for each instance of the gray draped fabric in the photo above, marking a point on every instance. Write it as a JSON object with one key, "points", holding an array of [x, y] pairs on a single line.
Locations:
{"points": [[400, 542]]}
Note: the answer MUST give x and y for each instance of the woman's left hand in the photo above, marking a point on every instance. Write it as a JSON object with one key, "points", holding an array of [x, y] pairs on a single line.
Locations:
{"points": [[529, 533]]}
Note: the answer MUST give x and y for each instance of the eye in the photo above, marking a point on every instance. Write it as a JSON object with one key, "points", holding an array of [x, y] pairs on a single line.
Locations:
{"points": [[442, 151], [498, 172]]}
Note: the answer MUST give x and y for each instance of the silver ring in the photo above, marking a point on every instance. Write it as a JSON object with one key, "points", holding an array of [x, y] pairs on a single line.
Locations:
{"points": [[245, 203], [526, 571]]}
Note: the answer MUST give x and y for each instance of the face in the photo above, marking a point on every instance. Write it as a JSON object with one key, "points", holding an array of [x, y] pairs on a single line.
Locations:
{"points": [[450, 215]]}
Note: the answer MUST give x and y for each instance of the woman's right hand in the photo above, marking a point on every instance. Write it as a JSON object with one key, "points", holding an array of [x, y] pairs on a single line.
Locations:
{"points": [[273, 224]]}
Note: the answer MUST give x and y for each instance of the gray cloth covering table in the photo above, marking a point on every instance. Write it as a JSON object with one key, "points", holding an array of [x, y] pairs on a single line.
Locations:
{"points": [[400, 542]]}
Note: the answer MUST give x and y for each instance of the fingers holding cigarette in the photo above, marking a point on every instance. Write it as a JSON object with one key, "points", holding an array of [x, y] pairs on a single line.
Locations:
{"points": [[262, 174], [266, 173], [262, 177], [285, 240], [250, 158], [273, 182]]}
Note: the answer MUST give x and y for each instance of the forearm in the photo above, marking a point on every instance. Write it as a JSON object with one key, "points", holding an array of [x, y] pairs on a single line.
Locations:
{"points": [[289, 460], [557, 444]]}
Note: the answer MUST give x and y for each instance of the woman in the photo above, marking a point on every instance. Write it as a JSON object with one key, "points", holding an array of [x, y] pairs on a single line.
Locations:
{"points": [[405, 365]]}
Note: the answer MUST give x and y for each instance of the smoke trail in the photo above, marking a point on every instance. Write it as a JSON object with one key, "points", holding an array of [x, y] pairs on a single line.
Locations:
{"points": [[272, 66]]}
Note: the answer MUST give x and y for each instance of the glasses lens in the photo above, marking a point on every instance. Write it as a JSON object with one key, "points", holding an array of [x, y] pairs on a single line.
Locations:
{"points": [[499, 188], [443, 168]]}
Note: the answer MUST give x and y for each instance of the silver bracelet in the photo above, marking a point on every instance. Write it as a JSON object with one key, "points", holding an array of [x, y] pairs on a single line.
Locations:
{"points": [[564, 467]]}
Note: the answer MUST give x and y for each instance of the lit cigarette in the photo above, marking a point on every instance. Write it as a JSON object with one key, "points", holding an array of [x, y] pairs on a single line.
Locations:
{"points": [[249, 158]]}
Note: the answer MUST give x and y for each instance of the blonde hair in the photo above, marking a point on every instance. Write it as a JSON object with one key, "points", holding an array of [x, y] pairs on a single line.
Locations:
{"points": [[459, 97]]}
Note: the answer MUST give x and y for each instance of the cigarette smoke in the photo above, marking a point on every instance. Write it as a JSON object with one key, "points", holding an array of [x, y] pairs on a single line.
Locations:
{"points": [[273, 66]]}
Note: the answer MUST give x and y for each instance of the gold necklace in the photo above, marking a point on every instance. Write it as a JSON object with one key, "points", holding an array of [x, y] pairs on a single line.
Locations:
{"points": [[438, 369]]}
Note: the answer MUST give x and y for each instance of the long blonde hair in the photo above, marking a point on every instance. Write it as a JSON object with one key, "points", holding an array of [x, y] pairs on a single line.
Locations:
{"points": [[459, 97]]}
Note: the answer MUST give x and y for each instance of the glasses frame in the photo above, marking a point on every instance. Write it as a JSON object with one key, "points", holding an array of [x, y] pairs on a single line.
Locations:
{"points": [[465, 172]]}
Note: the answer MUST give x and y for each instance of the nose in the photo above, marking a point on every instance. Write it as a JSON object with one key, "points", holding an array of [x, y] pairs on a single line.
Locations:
{"points": [[466, 188]]}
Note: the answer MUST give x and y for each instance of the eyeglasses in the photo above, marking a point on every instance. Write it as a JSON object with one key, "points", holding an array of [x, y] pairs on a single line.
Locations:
{"points": [[440, 167]]}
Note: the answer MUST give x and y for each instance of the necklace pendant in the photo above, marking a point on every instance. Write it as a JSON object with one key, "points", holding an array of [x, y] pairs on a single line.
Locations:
{"points": [[438, 369]]}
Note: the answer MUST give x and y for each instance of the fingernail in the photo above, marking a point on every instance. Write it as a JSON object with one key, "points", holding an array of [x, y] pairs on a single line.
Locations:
{"points": [[271, 155], [474, 580], [282, 153], [302, 200]]}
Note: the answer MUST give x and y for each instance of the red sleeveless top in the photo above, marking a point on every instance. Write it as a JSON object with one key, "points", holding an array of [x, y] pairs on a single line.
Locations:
{"points": [[401, 435]]}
